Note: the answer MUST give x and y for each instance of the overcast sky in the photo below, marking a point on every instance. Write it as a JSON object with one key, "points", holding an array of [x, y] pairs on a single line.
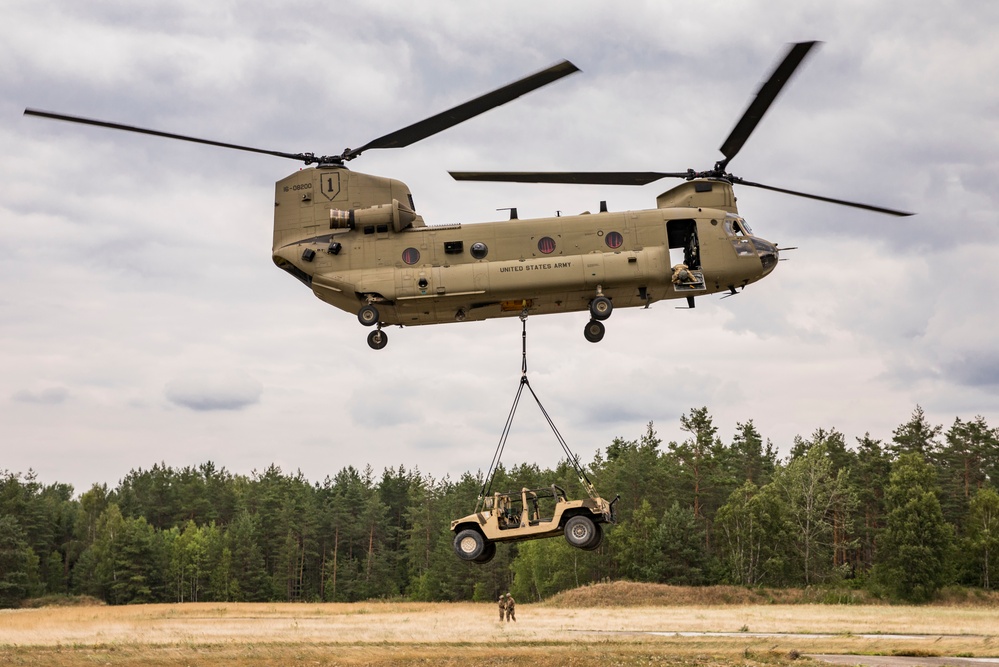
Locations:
{"points": [[142, 319]]}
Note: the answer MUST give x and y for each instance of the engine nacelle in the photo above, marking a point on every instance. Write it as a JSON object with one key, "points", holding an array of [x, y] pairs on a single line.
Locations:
{"points": [[395, 214]]}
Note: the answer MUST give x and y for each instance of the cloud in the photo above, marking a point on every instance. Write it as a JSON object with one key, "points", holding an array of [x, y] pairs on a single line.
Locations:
{"points": [[47, 396], [206, 392]]}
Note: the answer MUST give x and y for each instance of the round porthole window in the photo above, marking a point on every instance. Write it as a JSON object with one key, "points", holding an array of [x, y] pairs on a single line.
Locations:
{"points": [[479, 250], [411, 256], [547, 245], [614, 240]]}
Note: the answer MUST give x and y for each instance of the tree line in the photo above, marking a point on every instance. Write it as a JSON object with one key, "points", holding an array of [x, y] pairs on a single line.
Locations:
{"points": [[901, 518]]}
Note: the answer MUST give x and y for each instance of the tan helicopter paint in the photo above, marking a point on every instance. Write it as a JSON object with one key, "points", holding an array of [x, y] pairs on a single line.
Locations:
{"points": [[446, 287], [358, 243]]}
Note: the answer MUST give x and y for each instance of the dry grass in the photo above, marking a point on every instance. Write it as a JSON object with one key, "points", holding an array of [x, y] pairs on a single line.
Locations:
{"points": [[632, 594], [467, 633]]}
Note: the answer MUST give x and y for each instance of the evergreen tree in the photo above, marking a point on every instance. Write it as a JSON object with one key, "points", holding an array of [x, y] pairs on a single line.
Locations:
{"points": [[679, 540], [18, 563], [634, 545], [247, 580], [915, 549], [868, 478], [916, 436], [968, 448]]}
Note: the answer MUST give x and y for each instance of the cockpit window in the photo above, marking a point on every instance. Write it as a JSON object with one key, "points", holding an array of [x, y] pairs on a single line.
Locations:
{"points": [[737, 227]]}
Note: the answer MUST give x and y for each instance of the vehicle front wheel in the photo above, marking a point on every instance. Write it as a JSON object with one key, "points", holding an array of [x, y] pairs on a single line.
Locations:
{"points": [[469, 544], [580, 531]]}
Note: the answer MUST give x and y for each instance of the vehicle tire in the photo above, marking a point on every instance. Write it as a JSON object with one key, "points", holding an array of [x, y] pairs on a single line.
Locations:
{"points": [[487, 554], [601, 308], [594, 331], [580, 531], [377, 339], [469, 544], [368, 315], [598, 537]]}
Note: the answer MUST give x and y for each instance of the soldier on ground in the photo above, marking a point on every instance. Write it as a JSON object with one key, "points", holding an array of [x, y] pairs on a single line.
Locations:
{"points": [[510, 606], [502, 607]]}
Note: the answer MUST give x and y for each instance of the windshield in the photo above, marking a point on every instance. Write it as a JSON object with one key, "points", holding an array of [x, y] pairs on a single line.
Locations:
{"points": [[735, 226]]}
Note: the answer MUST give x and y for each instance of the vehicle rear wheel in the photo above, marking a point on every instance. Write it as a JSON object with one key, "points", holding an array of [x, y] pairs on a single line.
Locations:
{"points": [[598, 537], [487, 554], [594, 331], [469, 544], [580, 531]]}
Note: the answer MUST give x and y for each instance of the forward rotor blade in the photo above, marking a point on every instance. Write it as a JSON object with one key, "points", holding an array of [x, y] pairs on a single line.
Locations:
{"points": [[842, 202], [308, 158], [764, 98], [462, 112], [580, 177]]}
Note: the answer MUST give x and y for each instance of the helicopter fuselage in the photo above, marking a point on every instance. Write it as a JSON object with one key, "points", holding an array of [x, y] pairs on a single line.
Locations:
{"points": [[356, 241]]}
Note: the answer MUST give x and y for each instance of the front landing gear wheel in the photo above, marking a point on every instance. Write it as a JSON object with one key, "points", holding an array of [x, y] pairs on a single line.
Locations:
{"points": [[469, 544], [594, 331], [377, 339], [600, 308], [368, 315]]}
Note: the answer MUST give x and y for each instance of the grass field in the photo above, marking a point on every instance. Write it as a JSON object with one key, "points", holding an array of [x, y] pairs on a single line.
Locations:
{"points": [[554, 633]]}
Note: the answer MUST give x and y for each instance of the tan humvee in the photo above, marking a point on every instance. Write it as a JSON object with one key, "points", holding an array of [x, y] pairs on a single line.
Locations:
{"points": [[528, 515]]}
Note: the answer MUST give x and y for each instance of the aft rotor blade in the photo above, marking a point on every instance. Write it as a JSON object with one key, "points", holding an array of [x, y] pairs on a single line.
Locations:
{"points": [[307, 157], [462, 112], [580, 177], [764, 98], [843, 202]]}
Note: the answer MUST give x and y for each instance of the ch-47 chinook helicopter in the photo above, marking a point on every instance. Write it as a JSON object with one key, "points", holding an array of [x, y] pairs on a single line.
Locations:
{"points": [[357, 242]]}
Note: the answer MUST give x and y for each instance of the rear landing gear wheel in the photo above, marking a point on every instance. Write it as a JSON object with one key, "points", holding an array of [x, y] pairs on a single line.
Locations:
{"points": [[368, 315], [594, 331], [601, 308], [377, 339]]}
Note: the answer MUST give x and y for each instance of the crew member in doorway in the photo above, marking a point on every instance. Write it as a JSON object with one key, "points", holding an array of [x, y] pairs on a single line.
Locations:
{"points": [[683, 276]]}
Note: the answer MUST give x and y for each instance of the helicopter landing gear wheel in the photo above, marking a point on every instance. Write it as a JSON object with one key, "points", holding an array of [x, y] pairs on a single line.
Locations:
{"points": [[368, 315], [594, 331], [601, 308], [377, 339]]}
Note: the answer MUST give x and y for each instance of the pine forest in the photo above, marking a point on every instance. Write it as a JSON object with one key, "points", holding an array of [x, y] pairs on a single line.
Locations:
{"points": [[901, 519]]}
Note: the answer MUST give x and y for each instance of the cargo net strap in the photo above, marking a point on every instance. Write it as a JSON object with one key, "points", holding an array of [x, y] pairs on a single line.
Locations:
{"points": [[524, 382]]}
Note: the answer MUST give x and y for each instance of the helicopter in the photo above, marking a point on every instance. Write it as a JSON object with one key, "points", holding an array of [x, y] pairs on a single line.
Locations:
{"points": [[356, 241]]}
